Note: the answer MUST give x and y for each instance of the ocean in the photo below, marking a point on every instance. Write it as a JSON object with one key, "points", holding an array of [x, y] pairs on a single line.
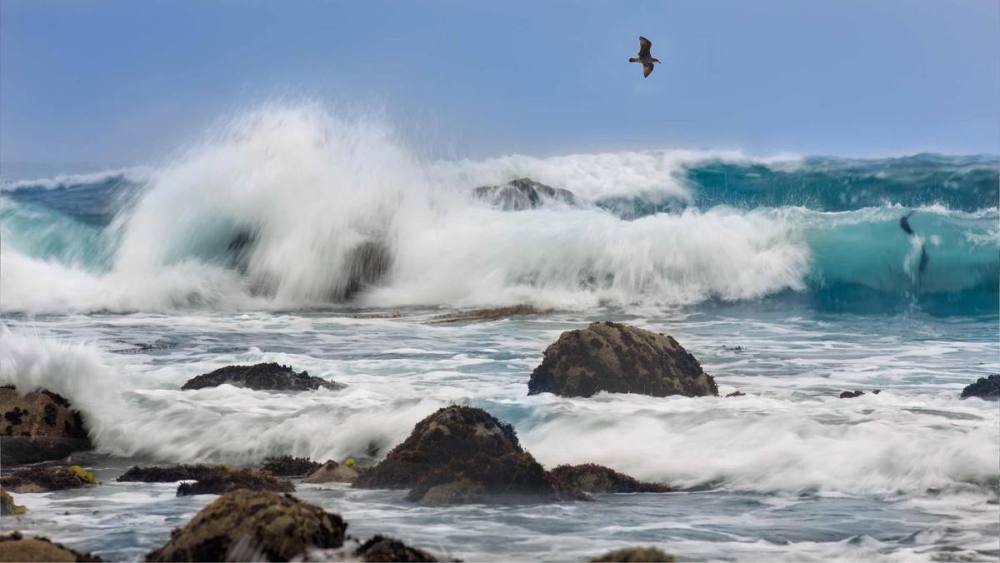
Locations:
{"points": [[298, 236]]}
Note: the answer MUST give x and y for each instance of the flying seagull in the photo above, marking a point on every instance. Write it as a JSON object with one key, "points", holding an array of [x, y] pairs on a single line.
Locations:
{"points": [[645, 57]]}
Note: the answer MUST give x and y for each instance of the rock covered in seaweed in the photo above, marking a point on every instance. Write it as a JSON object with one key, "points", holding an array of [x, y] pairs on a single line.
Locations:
{"points": [[383, 549], [16, 547], [462, 454], [38, 426], [593, 478], [7, 505], [619, 358], [261, 377], [170, 474], [44, 479], [288, 466], [252, 525], [987, 388], [225, 480]]}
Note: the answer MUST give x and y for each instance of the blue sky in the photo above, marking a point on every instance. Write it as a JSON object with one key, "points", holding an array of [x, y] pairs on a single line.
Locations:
{"points": [[93, 84]]}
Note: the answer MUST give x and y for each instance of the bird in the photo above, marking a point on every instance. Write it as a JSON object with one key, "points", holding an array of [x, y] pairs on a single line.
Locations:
{"points": [[645, 57]]}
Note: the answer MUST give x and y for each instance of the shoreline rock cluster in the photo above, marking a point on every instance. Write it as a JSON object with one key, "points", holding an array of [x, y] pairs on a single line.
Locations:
{"points": [[456, 455]]}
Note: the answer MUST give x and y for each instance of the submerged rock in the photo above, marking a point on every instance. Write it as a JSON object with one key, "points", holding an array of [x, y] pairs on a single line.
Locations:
{"points": [[288, 466], [619, 358], [592, 478], [45, 479], [985, 388], [7, 505], [521, 194], [38, 426], [261, 377], [332, 472], [857, 393], [462, 454], [636, 554], [227, 480], [15, 547], [247, 525], [494, 314]]}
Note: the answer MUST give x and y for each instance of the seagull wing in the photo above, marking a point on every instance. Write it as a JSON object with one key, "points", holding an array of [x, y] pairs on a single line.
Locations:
{"points": [[644, 46], [647, 68]]}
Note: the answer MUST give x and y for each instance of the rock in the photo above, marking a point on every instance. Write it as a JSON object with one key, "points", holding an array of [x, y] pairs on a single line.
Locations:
{"points": [[851, 394], [332, 471], [736, 394], [15, 547], [227, 480], [985, 388], [38, 426], [288, 466], [592, 478], [261, 377], [494, 314], [367, 265], [244, 523], [381, 548], [521, 194], [618, 358], [462, 454], [171, 473], [44, 479], [636, 554], [7, 505]]}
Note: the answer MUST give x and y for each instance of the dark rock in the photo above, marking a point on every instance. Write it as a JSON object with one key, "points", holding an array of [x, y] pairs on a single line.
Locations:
{"points": [[592, 478], [367, 265], [331, 472], [736, 394], [44, 479], [380, 548], [227, 480], [494, 314], [38, 426], [985, 388], [618, 358], [521, 194], [7, 505], [170, 474], [261, 377], [635, 554], [288, 466], [461, 454], [15, 547], [246, 525], [851, 394]]}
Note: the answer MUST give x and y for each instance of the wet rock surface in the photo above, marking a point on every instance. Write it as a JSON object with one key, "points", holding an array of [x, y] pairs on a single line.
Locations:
{"points": [[462, 454], [332, 472], [288, 466], [227, 480], [7, 505], [261, 377], [521, 194], [619, 358], [636, 554], [250, 525], [38, 426], [38, 479], [985, 388], [381, 548], [16, 547], [493, 314], [592, 478], [170, 473]]}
